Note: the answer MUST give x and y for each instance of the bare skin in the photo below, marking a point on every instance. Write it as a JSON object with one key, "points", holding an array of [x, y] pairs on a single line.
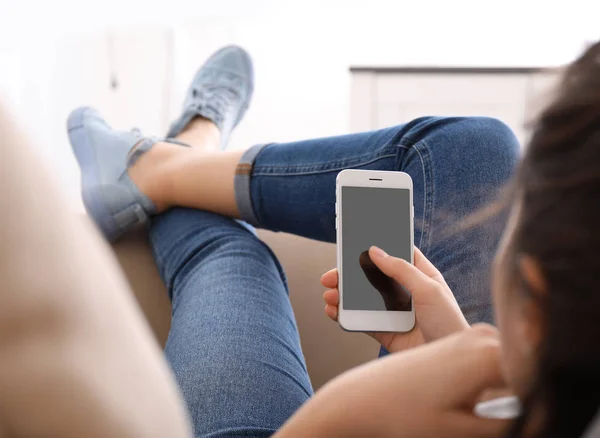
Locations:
{"points": [[170, 174], [434, 302]]}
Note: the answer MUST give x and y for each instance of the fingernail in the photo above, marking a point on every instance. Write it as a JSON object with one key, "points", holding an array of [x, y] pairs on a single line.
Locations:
{"points": [[378, 252]]}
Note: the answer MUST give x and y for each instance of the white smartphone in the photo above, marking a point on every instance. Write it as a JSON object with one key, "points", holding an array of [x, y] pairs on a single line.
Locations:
{"points": [[373, 208]]}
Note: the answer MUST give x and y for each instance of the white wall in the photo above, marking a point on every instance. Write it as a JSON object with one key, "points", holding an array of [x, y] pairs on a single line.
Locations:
{"points": [[57, 55]]}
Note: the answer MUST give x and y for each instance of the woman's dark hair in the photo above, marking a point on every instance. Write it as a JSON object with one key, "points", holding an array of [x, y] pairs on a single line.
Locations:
{"points": [[558, 187]]}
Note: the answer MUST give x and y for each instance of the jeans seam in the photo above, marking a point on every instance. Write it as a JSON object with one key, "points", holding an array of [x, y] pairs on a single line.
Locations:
{"points": [[422, 150], [335, 166], [278, 265]]}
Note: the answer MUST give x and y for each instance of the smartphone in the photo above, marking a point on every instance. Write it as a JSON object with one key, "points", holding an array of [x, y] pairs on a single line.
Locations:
{"points": [[373, 208]]}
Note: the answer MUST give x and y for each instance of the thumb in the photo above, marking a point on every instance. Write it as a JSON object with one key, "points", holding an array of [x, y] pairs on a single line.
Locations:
{"points": [[402, 271]]}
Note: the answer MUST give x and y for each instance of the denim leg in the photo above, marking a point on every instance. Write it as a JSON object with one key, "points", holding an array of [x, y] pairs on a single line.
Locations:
{"points": [[234, 345], [457, 165]]}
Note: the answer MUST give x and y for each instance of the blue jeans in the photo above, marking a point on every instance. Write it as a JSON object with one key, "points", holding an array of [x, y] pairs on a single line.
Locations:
{"points": [[234, 345]]}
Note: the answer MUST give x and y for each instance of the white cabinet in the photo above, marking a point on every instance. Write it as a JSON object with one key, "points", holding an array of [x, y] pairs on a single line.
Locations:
{"points": [[387, 96]]}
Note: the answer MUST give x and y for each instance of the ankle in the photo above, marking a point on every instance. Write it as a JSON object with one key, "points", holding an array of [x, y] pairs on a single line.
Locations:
{"points": [[152, 172], [201, 133]]}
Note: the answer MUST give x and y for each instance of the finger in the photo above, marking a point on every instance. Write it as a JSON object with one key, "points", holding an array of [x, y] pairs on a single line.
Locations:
{"points": [[330, 279], [331, 312], [332, 297], [403, 272], [425, 266]]}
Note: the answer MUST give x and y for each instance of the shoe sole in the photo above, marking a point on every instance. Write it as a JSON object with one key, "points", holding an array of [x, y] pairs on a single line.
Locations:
{"points": [[90, 181]]}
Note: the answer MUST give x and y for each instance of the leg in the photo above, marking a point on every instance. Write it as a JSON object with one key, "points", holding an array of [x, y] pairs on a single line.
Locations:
{"points": [[457, 166], [233, 346]]}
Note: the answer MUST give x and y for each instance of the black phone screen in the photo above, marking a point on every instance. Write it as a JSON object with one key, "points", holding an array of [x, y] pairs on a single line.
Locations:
{"points": [[380, 217]]}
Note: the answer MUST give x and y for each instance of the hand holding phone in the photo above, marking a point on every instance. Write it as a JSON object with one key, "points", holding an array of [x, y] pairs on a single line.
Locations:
{"points": [[438, 314]]}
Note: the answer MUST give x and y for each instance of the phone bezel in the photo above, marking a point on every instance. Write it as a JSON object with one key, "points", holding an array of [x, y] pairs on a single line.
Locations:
{"points": [[371, 320]]}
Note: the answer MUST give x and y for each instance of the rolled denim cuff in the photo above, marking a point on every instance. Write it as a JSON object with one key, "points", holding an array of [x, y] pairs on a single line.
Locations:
{"points": [[243, 174]]}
